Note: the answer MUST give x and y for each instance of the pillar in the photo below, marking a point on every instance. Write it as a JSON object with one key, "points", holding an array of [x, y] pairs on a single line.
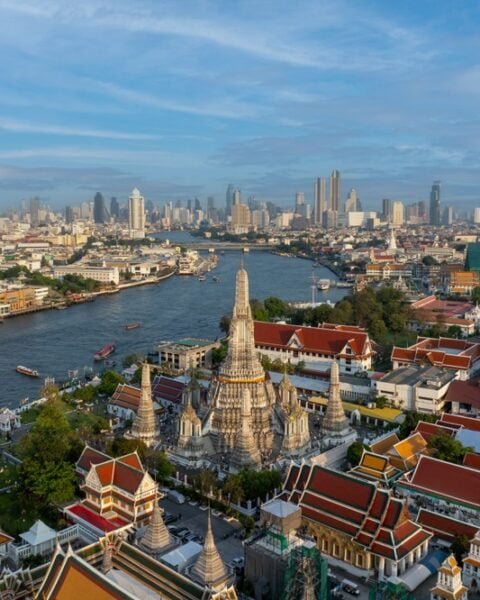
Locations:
{"points": [[381, 567]]}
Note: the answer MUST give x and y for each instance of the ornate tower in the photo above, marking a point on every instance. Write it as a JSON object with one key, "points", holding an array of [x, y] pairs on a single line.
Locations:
{"points": [[209, 568], [296, 433], [156, 536], [144, 426], [241, 370], [335, 426], [449, 582], [190, 442], [245, 454]]}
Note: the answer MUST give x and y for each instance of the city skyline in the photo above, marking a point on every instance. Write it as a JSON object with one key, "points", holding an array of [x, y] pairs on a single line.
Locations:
{"points": [[109, 97]]}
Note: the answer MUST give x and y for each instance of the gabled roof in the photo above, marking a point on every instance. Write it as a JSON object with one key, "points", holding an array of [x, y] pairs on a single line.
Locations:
{"points": [[465, 392], [83, 513], [443, 527], [38, 534], [89, 457], [446, 480], [326, 339], [460, 421], [428, 430], [127, 396], [472, 460], [117, 473], [357, 508], [166, 388], [384, 444], [375, 467]]}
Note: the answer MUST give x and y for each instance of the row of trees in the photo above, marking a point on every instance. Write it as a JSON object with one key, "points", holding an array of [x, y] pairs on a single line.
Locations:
{"points": [[74, 284]]}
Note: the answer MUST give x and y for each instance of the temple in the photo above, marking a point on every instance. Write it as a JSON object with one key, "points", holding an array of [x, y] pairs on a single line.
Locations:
{"points": [[296, 433], [241, 370]]}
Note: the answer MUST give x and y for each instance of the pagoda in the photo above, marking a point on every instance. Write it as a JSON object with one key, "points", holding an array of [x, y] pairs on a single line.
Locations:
{"points": [[245, 454], [156, 537], [241, 370], [296, 433], [144, 425], [335, 426], [209, 568]]}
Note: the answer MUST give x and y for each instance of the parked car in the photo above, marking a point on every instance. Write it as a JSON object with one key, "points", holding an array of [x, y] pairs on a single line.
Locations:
{"points": [[167, 518], [350, 587], [176, 497]]}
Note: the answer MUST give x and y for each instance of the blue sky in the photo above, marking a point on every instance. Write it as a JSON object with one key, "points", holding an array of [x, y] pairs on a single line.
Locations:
{"points": [[180, 98]]}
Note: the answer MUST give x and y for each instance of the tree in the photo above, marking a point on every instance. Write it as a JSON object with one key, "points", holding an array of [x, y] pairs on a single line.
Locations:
{"points": [[355, 451], [233, 488], [454, 331], [110, 380], [448, 448], [49, 482], [218, 354], [476, 295], [410, 422], [204, 481], [164, 469], [122, 446], [257, 484], [460, 546], [224, 324], [258, 310], [131, 359], [429, 261], [275, 307]]}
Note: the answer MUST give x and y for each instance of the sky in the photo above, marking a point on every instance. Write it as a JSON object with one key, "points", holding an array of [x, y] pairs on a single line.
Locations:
{"points": [[181, 98]]}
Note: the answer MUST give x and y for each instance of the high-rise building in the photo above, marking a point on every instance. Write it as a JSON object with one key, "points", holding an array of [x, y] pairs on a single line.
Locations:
{"points": [[352, 202], [476, 215], [435, 204], [398, 213], [34, 211], [447, 216], [319, 203], [114, 208], [422, 211], [69, 215], [136, 214], [229, 200], [387, 209], [335, 191], [237, 197], [100, 213]]}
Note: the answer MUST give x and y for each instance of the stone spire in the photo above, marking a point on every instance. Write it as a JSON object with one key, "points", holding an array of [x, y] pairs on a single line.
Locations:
{"points": [[241, 370], [335, 420], [245, 453], [296, 432], [449, 582], [144, 425], [107, 563], [209, 568], [156, 536], [190, 442]]}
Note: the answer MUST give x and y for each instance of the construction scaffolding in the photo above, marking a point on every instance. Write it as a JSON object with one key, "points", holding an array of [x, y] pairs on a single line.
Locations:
{"points": [[306, 575]]}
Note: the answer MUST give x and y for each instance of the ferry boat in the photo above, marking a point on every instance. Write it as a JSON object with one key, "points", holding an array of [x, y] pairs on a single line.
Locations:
{"points": [[344, 284], [323, 284], [188, 263], [27, 371], [201, 278], [104, 352], [130, 326]]}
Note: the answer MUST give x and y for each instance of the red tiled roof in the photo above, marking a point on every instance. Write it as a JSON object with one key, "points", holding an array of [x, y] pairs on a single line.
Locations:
{"points": [[472, 460], [127, 396], [445, 527], [436, 351], [445, 479], [428, 430], [371, 515], [90, 457], [166, 388], [466, 422], [465, 392], [106, 525], [326, 339], [132, 460]]}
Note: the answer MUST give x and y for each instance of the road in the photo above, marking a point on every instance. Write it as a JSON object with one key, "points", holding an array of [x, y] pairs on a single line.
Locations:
{"points": [[195, 519]]}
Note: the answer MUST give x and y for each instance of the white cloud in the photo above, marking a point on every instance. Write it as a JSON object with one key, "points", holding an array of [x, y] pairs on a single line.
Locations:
{"points": [[25, 127]]}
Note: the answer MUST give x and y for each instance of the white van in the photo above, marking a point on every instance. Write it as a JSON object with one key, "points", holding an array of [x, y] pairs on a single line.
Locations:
{"points": [[176, 497]]}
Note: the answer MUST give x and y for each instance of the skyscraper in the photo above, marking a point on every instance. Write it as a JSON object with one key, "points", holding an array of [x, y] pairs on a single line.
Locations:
{"points": [[114, 208], [435, 204], [335, 191], [387, 209], [229, 200], [34, 210], [319, 201], [352, 202], [100, 214], [398, 213], [136, 214], [69, 216]]}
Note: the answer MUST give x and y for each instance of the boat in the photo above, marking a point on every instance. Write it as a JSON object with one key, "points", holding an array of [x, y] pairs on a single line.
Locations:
{"points": [[27, 371], [104, 352], [323, 284], [344, 284], [201, 278], [188, 263], [215, 279], [130, 326], [110, 363]]}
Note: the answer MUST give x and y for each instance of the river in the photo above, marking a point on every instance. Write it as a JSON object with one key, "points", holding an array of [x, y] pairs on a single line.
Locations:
{"points": [[54, 342]]}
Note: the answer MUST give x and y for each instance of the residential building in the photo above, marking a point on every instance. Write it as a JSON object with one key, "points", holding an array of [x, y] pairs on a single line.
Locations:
{"points": [[398, 213], [317, 347]]}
